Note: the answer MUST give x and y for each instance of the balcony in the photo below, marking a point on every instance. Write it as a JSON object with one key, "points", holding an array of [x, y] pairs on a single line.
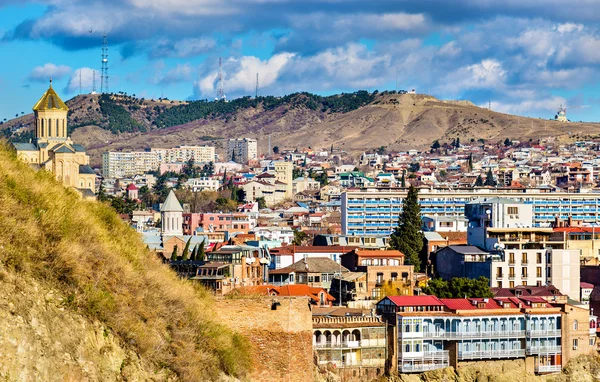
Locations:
{"points": [[543, 350], [473, 334], [481, 354], [544, 333], [420, 367], [548, 368], [337, 345]]}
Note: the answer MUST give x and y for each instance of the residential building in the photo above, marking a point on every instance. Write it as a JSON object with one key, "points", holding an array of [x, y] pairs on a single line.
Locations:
{"points": [[350, 341], [121, 164], [242, 150], [52, 148], [312, 271], [436, 333], [302, 184], [283, 234], [375, 211], [367, 242], [283, 174], [212, 222], [289, 254], [384, 269], [272, 191], [444, 224], [203, 184]]}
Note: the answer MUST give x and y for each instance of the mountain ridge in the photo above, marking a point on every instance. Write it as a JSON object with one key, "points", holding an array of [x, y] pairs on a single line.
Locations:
{"points": [[354, 122]]}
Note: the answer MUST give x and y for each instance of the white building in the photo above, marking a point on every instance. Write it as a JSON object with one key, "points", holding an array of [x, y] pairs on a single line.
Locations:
{"points": [[118, 164], [283, 234], [203, 184], [242, 150]]}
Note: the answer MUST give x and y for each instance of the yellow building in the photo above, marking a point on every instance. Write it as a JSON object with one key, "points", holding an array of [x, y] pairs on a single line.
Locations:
{"points": [[53, 149]]}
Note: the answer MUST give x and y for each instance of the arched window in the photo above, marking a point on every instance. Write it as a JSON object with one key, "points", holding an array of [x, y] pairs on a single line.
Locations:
{"points": [[575, 325], [417, 347], [407, 348]]}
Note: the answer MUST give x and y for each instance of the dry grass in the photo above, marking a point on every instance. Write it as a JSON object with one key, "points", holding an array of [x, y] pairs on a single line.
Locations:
{"points": [[106, 273]]}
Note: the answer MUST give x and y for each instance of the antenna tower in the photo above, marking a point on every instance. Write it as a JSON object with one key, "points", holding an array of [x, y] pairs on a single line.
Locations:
{"points": [[256, 94], [104, 74], [220, 92]]}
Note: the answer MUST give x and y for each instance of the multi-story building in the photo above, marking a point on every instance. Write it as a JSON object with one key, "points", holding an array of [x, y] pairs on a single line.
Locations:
{"points": [[375, 211], [506, 249], [213, 222], [436, 333], [203, 184], [242, 150], [121, 164], [283, 174], [350, 341], [367, 242]]}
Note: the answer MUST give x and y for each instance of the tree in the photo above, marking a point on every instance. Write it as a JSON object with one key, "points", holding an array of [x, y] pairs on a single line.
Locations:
{"points": [[297, 173], [186, 250], [275, 149], [459, 287], [403, 179], [381, 150], [414, 167], [200, 254], [436, 145], [470, 162], [479, 181], [330, 150], [507, 142], [189, 168], [174, 253], [489, 179], [299, 237], [262, 203], [407, 236], [457, 143], [101, 193], [193, 255]]}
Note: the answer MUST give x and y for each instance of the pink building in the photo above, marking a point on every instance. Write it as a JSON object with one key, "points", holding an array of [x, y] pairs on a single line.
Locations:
{"points": [[215, 222]]}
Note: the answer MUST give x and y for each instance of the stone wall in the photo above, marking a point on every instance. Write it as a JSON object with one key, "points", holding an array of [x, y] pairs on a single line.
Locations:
{"points": [[281, 338]]}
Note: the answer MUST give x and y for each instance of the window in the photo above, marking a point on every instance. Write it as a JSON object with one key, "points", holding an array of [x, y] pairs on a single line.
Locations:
{"points": [[511, 284], [575, 343], [511, 258], [538, 257], [379, 277], [394, 276], [524, 258], [499, 284], [538, 272], [575, 326], [523, 271], [513, 210], [511, 272], [591, 341], [524, 283], [499, 272], [407, 348]]}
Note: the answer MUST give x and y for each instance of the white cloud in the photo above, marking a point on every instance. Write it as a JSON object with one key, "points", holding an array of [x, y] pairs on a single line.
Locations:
{"points": [[49, 70], [182, 72], [87, 79], [188, 47], [544, 106], [568, 27], [488, 74]]}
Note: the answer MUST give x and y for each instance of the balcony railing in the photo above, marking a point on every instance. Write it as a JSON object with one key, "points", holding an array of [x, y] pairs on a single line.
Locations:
{"points": [[419, 367], [543, 349], [548, 368], [479, 354], [337, 345], [473, 334], [544, 333]]}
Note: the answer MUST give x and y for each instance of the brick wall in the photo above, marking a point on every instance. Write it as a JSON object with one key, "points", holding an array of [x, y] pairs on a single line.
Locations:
{"points": [[281, 339]]}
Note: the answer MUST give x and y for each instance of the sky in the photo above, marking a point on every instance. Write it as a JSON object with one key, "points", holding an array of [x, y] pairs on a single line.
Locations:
{"points": [[525, 57]]}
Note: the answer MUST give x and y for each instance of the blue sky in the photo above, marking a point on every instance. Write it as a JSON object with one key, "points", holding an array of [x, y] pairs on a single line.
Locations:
{"points": [[525, 56]]}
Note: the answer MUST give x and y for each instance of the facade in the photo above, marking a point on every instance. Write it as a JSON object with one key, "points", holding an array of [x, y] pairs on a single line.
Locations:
{"points": [[273, 191], [283, 234], [311, 271], [375, 211], [213, 222], [283, 174], [444, 224], [121, 164], [242, 150], [350, 341], [367, 242], [436, 333], [384, 269], [53, 150]]}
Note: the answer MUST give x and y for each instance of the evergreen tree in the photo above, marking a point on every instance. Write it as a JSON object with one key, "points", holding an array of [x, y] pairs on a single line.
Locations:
{"points": [[233, 155], [407, 237], [331, 150], [457, 143], [200, 255], [101, 193], [193, 255], [479, 181], [489, 179], [507, 142], [470, 162], [403, 179], [186, 250], [174, 253], [436, 145]]}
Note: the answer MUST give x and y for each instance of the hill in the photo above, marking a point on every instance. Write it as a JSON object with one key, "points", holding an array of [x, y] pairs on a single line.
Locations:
{"points": [[81, 298], [354, 122]]}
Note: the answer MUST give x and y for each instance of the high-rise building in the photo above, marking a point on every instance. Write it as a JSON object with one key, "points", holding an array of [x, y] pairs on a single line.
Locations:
{"points": [[241, 150], [283, 173]]}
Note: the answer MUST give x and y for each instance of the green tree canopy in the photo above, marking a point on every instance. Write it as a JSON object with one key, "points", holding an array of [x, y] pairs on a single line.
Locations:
{"points": [[407, 237], [459, 287]]}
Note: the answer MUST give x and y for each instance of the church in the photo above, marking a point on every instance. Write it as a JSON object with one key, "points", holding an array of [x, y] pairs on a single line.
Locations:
{"points": [[53, 150]]}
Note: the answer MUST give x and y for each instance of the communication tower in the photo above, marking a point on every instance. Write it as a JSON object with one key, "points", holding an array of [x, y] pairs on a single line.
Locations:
{"points": [[220, 91], [104, 74]]}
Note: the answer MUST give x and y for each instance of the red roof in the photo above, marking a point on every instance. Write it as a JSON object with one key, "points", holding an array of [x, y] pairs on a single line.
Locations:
{"points": [[585, 285], [415, 300], [378, 253], [471, 303], [131, 187]]}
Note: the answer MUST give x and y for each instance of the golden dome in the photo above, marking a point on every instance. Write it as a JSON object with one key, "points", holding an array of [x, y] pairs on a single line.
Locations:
{"points": [[50, 101]]}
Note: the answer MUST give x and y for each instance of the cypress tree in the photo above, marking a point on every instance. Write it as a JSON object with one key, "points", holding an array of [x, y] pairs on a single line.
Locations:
{"points": [[489, 178], [479, 181], [471, 162], [193, 255], [200, 255], [186, 250], [403, 179], [407, 237], [174, 253]]}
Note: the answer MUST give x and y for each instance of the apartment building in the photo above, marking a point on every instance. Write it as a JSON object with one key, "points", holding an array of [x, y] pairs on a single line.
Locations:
{"points": [[242, 150], [118, 164], [350, 341], [435, 333], [375, 211], [237, 222]]}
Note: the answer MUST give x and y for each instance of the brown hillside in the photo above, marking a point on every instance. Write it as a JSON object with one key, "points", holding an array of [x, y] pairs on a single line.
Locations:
{"points": [[397, 121]]}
